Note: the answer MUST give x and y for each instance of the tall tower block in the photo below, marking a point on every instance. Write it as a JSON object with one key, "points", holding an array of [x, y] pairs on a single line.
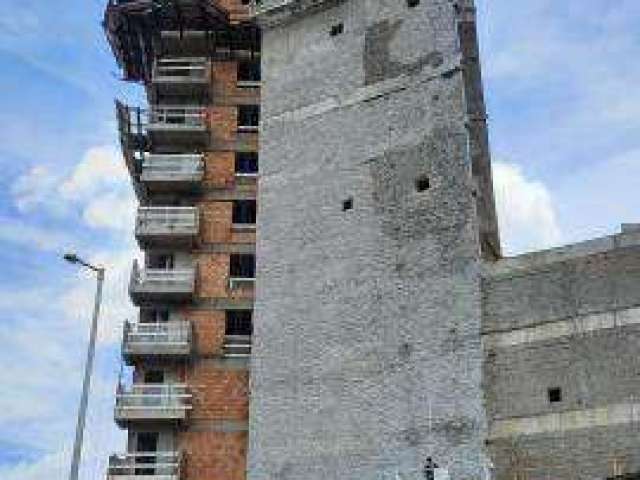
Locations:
{"points": [[376, 212]]}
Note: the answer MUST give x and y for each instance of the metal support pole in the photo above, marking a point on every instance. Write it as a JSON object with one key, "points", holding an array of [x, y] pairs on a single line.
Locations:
{"points": [[86, 384]]}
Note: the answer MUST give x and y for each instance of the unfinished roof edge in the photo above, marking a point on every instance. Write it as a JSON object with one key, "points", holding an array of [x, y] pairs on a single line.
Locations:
{"points": [[132, 29], [272, 13], [628, 238]]}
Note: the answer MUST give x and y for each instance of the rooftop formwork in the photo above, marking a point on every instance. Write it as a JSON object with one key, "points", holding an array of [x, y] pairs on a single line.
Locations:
{"points": [[134, 31]]}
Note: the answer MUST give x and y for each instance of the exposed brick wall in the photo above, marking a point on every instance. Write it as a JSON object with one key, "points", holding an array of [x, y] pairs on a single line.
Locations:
{"points": [[237, 11], [223, 121], [208, 330], [219, 169], [224, 78], [224, 86], [217, 224], [219, 393], [216, 221], [213, 278], [213, 274], [214, 455]]}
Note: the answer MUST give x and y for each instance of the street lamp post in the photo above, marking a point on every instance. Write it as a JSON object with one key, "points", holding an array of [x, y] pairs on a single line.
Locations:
{"points": [[88, 367]]}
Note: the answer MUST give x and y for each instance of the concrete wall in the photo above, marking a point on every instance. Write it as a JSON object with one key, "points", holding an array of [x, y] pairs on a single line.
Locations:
{"points": [[367, 354], [567, 318]]}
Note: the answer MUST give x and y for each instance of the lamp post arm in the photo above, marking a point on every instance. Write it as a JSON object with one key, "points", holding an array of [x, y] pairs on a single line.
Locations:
{"points": [[86, 383]]}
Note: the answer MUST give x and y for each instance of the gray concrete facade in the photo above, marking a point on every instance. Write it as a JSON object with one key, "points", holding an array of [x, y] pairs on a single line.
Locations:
{"points": [[367, 355], [567, 319]]}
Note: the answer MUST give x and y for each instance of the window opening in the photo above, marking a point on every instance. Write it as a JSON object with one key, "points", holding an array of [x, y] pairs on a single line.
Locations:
{"points": [[244, 212], [239, 322], [242, 266]]}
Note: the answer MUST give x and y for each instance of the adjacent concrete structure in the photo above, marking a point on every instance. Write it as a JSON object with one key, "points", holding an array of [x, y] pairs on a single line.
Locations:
{"points": [[389, 328], [561, 331]]}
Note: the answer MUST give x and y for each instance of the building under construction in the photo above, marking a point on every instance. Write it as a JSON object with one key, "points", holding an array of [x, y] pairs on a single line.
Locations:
{"points": [[392, 339]]}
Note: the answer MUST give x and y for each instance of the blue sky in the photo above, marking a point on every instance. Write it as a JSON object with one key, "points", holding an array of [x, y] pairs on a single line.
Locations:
{"points": [[561, 79]]}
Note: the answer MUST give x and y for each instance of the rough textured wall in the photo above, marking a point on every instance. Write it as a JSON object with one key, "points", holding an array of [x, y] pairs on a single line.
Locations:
{"points": [[367, 354], [568, 319]]}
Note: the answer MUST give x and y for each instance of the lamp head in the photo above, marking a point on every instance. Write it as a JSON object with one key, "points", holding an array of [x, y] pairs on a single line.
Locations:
{"points": [[71, 257]]}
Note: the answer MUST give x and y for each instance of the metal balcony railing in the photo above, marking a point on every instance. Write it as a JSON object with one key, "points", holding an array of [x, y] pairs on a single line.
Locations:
{"points": [[146, 465], [177, 118], [236, 282], [187, 70], [152, 284], [157, 339], [152, 402], [178, 221], [188, 168], [237, 345]]}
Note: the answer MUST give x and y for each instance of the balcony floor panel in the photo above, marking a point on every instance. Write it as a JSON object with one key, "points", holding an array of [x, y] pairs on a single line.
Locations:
{"points": [[142, 477], [133, 352]]}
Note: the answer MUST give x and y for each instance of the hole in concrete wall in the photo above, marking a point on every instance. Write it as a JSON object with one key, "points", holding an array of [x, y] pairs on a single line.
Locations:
{"points": [[405, 351], [336, 29], [422, 183], [555, 395], [413, 3], [347, 204]]}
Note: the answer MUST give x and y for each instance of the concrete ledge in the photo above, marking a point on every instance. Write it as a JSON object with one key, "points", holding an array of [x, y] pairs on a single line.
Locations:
{"points": [[615, 414], [562, 328], [272, 13]]}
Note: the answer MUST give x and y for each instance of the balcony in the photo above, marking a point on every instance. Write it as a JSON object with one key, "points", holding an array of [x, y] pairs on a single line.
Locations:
{"points": [[237, 346], [165, 173], [185, 125], [181, 76], [161, 285], [158, 340], [145, 466], [167, 226], [152, 403]]}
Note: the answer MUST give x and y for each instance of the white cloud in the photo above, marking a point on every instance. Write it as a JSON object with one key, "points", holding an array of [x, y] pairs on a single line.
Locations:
{"points": [[112, 211], [101, 168], [20, 233], [35, 189], [98, 188], [525, 211]]}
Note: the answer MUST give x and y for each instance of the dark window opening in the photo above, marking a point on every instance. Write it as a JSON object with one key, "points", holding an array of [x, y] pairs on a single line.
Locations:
{"points": [[154, 315], [555, 395], [239, 322], [422, 183], [146, 442], [246, 162], [347, 204], [163, 261], [242, 266], [248, 115], [244, 211], [154, 376], [413, 3], [336, 29], [249, 71]]}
